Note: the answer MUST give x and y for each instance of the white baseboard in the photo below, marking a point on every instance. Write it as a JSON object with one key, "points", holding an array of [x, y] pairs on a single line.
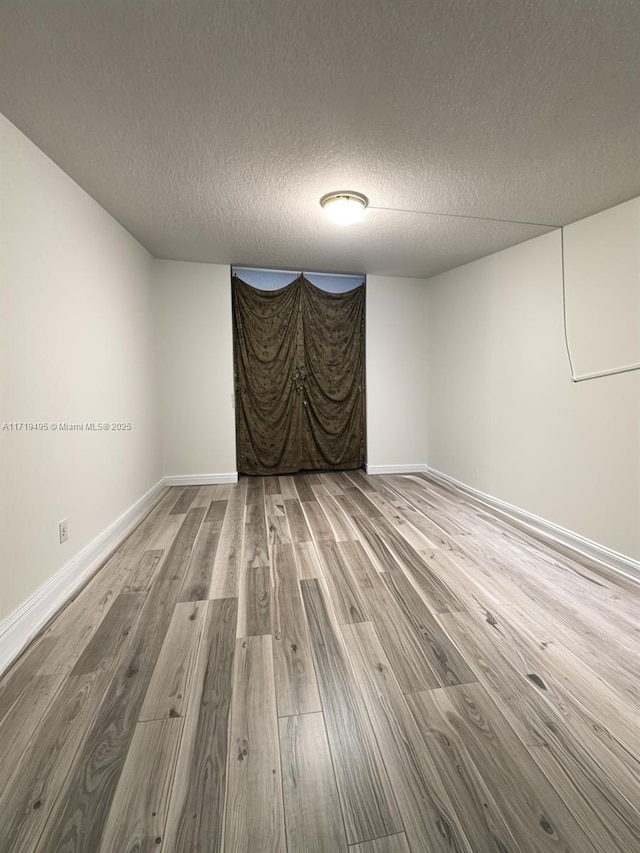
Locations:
{"points": [[579, 544], [200, 479], [396, 469], [21, 626]]}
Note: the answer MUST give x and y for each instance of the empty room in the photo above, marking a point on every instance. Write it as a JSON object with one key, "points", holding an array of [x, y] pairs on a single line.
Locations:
{"points": [[319, 426]]}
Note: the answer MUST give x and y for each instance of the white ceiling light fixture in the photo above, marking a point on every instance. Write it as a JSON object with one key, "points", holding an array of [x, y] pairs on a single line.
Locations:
{"points": [[344, 207]]}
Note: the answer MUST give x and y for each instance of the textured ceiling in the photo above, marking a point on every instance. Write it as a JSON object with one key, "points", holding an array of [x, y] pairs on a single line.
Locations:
{"points": [[210, 128]]}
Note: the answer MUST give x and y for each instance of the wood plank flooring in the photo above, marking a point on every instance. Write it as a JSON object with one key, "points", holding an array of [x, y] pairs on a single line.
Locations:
{"points": [[329, 663]]}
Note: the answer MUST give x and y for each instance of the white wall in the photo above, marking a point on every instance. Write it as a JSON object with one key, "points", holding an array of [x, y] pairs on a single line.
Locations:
{"points": [[504, 416], [195, 354], [396, 368], [76, 346], [602, 271]]}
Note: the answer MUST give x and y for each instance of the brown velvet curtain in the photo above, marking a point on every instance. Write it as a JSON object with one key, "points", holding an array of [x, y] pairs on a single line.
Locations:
{"points": [[299, 378]]}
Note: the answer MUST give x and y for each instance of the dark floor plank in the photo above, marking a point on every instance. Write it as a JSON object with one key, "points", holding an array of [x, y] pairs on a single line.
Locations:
{"points": [[197, 580], [365, 506], [255, 491], [368, 803], [104, 647], [216, 513], [361, 480], [318, 521], [196, 808], [303, 488], [184, 501], [297, 522], [272, 485]]}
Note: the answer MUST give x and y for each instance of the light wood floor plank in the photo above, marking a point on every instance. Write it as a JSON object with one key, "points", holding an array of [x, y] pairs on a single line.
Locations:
{"points": [[342, 529], [41, 779], [196, 810], [429, 820], [227, 564], [102, 651], [254, 603], [312, 808], [346, 597], [138, 814], [307, 560], [254, 761], [287, 487], [547, 716], [277, 524], [443, 655], [143, 571], [17, 728], [368, 804], [539, 821], [295, 679], [169, 690], [403, 648], [435, 591]]}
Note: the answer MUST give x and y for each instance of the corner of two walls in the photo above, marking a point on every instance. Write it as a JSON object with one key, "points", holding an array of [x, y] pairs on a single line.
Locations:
{"points": [[76, 346], [504, 416]]}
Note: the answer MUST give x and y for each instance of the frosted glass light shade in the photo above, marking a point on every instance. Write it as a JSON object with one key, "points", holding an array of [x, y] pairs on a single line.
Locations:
{"points": [[344, 208]]}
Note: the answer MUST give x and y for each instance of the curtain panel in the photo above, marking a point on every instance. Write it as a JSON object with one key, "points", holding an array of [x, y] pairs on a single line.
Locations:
{"points": [[299, 378]]}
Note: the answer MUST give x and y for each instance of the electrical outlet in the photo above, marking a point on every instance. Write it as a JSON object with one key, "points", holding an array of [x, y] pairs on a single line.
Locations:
{"points": [[63, 530]]}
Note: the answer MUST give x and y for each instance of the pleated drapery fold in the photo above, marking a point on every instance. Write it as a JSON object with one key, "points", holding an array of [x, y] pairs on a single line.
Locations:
{"points": [[299, 378]]}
